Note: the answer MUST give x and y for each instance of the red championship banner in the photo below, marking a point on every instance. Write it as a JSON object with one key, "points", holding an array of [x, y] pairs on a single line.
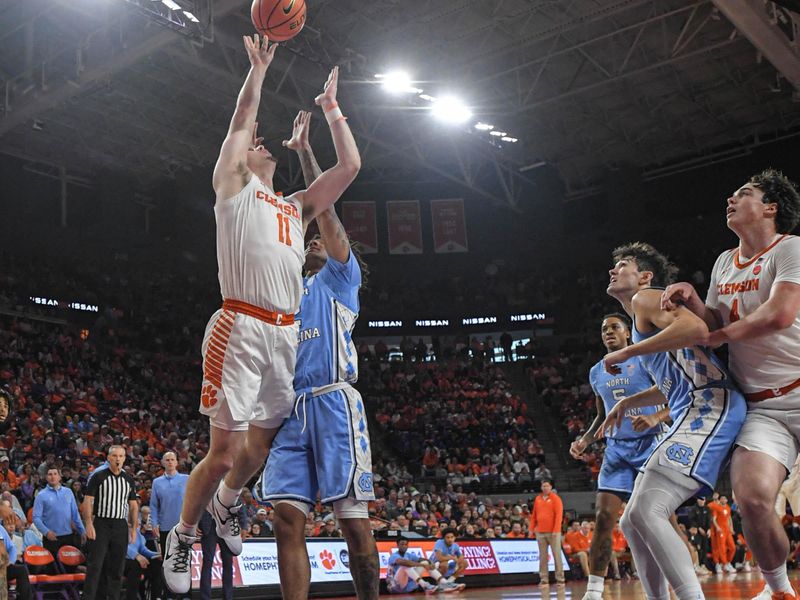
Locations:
{"points": [[449, 226], [405, 229], [359, 222]]}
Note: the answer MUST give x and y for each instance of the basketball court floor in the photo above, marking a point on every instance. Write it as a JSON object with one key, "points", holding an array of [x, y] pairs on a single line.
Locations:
{"points": [[739, 586]]}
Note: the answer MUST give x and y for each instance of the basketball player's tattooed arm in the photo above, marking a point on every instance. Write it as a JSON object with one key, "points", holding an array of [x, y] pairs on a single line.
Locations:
{"points": [[649, 397], [300, 143], [231, 167], [337, 244], [679, 328], [578, 447], [329, 187]]}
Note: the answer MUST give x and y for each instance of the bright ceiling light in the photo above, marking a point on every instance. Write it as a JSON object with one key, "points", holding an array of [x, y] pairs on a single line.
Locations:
{"points": [[451, 109], [191, 17], [483, 127], [171, 5], [427, 98], [498, 133], [509, 139], [398, 82]]}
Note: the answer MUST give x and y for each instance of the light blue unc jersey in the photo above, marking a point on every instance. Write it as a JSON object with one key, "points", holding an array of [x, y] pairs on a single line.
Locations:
{"points": [[323, 448], [328, 311], [613, 388], [706, 408]]}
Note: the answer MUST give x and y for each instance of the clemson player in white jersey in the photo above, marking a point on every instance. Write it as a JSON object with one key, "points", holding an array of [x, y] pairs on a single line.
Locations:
{"points": [[250, 344], [753, 305]]}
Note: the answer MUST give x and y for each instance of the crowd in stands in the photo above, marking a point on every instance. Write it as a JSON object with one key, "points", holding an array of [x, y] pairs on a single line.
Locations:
{"points": [[447, 433]]}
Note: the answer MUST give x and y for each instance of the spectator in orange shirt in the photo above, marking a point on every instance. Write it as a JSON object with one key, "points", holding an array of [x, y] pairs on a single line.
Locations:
{"points": [[516, 532], [6, 474], [545, 524], [577, 542]]}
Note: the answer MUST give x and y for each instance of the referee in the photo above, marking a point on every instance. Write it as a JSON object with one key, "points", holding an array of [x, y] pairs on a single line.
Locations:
{"points": [[110, 512]]}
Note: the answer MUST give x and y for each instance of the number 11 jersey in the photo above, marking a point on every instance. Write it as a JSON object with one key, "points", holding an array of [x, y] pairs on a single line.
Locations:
{"points": [[260, 248]]}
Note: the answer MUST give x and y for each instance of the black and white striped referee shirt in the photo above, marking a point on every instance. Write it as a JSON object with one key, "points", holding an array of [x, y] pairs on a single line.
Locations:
{"points": [[111, 494]]}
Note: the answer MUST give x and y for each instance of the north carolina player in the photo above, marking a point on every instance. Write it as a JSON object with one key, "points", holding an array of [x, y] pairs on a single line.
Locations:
{"points": [[627, 449], [753, 305], [250, 343], [323, 447], [706, 410], [405, 569]]}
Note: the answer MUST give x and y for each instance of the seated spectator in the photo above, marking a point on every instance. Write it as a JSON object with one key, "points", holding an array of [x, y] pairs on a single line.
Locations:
{"points": [[330, 530], [577, 542], [14, 570], [141, 560]]}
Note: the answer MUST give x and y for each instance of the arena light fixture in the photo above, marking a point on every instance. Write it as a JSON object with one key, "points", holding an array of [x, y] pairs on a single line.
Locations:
{"points": [[483, 127], [512, 140], [191, 17], [427, 98], [170, 4], [498, 133], [451, 110], [398, 82]]}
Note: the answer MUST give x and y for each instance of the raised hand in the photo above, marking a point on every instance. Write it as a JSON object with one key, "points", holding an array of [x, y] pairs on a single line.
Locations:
{"points": [[259, 50], [299, 139], [328, 97]]}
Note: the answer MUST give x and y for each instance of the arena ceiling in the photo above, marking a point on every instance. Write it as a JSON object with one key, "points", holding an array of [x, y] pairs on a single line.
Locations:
{"points": [[587, 86]]}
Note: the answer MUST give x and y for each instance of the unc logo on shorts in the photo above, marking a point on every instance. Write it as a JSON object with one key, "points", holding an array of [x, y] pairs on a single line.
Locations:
{"points": [[365, 482], [680, 453]]}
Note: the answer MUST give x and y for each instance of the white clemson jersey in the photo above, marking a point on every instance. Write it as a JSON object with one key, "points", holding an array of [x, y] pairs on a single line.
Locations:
{"points": [[738, 287], [260, 248]]}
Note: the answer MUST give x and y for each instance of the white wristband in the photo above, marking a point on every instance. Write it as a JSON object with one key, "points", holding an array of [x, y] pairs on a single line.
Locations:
{"points": [[333, 115]]}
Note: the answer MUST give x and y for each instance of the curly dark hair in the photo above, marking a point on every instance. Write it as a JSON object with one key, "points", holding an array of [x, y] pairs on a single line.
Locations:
{"points": [[648, 259], [782, 191], [624, 318]]}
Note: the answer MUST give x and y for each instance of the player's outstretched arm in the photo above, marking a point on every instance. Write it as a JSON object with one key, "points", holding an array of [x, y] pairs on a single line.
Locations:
{"points": [[331, 229], [329, 187], [680, 328], [777, 313], [232, 159]]}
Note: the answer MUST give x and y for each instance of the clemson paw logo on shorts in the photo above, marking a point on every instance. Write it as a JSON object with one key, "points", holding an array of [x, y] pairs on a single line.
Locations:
{"points": [[327, 560], [209, 396]]}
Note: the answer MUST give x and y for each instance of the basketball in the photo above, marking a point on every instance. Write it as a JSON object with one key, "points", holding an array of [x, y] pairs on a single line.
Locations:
{"points": [[279, 20]]}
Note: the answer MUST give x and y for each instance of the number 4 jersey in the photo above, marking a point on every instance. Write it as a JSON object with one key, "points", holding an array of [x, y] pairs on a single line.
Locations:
{"points": [[738, 287], [260, 248]]}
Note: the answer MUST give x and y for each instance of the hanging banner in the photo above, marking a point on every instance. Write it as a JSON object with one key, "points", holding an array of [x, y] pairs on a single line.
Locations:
{"points": [[359, 223], [405, 229], [449, 226]]}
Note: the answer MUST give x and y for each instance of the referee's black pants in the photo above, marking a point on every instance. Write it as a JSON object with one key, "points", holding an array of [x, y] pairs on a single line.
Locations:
{"points": [[106, 559]]}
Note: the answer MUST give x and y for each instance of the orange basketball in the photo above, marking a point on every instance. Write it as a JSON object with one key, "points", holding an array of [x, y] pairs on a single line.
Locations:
{"points": [[279, 20]]}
